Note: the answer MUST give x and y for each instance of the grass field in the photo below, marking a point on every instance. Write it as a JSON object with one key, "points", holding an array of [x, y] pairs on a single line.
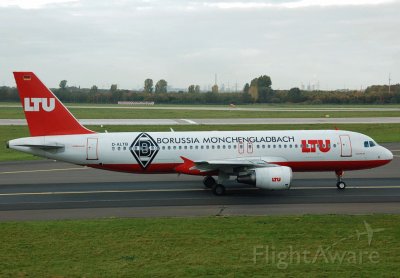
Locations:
{"points": [[382, 133], [132, 113], [211, 246]]}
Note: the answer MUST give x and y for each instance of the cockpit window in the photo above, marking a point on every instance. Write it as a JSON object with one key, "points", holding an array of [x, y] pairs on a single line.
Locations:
{"points": [[371, 144], [368, 144]]}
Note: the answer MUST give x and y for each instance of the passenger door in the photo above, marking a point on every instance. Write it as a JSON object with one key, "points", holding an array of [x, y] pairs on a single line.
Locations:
{"points": [[345, 145]]}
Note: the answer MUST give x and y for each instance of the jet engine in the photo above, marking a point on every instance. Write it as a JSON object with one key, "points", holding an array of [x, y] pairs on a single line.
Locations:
{"points": [[275, 178]]}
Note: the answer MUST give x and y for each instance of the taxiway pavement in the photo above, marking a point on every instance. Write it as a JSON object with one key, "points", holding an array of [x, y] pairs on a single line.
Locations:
{"points": [[40, 190]]}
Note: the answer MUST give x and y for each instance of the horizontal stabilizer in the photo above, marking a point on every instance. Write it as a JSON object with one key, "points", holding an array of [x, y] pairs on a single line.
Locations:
{"points": [[50, 146]]}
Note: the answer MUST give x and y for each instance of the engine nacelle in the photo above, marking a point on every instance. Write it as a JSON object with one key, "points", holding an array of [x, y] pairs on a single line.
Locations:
{"points": [[274, 178]]}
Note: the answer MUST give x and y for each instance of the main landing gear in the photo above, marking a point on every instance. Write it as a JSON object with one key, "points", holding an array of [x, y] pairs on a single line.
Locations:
{"points": [[209, 182], [217, 188], [340, 184]]}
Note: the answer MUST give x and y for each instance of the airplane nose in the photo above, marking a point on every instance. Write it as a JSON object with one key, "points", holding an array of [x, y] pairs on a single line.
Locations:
{"points": [[387, 154], [8, 144]]}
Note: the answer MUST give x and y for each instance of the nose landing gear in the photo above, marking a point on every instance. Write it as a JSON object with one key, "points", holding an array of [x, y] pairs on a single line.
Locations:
{"points": [[340, 184]]}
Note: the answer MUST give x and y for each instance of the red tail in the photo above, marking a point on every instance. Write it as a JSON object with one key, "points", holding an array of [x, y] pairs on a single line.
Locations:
{"points": [[44, 112]]}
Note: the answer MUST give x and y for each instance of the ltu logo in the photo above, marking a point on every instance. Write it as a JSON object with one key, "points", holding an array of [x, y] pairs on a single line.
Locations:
{"points": [[144, 149], [34, 104], [310, 146]]}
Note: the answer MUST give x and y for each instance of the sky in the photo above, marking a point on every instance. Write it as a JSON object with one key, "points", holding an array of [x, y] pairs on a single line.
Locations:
{"points": [[332, 44]]}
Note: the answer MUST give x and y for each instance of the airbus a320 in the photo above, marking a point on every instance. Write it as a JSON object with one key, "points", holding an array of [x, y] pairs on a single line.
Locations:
{"points": [[264, 159]]}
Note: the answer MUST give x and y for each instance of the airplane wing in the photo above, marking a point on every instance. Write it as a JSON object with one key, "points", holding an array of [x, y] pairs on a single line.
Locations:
{"points": [[230, 165], [212, 165]]}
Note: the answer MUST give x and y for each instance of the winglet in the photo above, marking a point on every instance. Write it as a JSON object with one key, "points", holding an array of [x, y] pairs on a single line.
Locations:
{"points": [[44, 112], [187, 167], [187, 160]]}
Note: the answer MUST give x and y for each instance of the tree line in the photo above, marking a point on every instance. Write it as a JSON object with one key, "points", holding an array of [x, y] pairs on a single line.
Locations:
{"points": [[258, 90]]}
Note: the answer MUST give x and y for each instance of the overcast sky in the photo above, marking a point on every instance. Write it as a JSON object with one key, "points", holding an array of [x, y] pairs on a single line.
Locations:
{"points": [[338, 43]]}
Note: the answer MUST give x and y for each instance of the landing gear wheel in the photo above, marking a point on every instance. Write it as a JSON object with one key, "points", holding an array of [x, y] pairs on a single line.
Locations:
{"points": [[218, 189], [341, 185], [209, 182]]}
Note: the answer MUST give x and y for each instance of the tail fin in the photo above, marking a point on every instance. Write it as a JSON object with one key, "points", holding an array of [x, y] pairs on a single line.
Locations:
{"points": [[44, 112]]}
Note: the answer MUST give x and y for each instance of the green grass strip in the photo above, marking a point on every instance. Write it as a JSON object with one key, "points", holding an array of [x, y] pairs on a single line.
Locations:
{"points": [[199, 247], [255, 105], [131, 113]]}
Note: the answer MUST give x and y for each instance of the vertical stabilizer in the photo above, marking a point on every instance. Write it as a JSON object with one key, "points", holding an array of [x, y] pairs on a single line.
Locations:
{"points": [[44, 112]]}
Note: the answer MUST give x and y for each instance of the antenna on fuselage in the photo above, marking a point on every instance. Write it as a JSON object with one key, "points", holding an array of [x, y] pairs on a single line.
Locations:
{"points": [[105, 129]]}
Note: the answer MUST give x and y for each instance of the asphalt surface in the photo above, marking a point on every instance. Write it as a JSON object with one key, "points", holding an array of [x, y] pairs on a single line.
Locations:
{"points": [[221, 108], [237, 121], [41, 190]]}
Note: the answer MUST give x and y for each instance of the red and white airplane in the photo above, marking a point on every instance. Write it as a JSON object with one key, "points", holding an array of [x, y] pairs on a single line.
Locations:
{"points": [[264, 159]]}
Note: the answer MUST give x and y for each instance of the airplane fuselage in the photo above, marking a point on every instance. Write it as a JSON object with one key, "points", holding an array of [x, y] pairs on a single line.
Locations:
{"points": [[162, 152]]}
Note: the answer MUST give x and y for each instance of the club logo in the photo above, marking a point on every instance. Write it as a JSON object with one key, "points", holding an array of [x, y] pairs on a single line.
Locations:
{"points": [[144, 149]]}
